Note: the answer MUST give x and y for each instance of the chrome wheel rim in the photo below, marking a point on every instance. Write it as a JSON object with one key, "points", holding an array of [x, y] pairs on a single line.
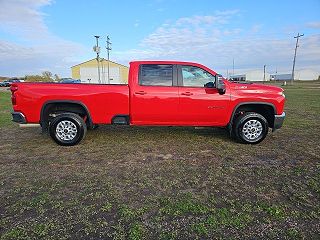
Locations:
{"points": [[66, 130], [252, 129]]}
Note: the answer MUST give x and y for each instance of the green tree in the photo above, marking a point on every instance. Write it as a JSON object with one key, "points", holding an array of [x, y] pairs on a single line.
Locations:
{"points": [[34, 78]]}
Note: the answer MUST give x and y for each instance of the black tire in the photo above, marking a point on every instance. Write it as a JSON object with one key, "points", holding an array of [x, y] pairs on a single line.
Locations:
{"points": [[67, 129], [250, 128]]}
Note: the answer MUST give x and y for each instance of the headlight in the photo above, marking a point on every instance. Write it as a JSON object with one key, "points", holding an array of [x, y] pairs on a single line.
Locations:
{"points": [[282, 94]]}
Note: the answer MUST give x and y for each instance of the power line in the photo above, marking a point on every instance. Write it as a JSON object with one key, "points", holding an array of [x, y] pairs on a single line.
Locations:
{"points": [[295, 55]]}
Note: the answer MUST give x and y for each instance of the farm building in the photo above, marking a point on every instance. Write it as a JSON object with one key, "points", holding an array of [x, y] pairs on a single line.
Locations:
{"points": [[87, 72], [254, 75]]}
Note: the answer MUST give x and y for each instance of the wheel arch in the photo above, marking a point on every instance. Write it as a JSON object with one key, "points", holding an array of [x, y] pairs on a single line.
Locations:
{"points": [[266, 109], [64, 105]]}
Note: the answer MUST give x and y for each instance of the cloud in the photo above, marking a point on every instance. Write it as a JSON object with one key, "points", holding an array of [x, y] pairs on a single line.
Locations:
{"points": [[184, 33], [22, 17], [256, 28], [31, 47], [215, 41], [18, 60], [315, 25]]}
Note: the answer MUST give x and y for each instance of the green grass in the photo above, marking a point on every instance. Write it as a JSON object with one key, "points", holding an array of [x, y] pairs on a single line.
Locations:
{"points": [[5, 109], [164, 183]]}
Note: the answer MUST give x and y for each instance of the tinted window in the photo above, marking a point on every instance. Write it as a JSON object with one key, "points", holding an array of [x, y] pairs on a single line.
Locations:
{"points": [[155, 75], [196, 77]]}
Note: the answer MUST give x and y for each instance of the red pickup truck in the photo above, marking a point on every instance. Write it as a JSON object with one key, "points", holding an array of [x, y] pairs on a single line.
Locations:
{"points": [[159, 93]]}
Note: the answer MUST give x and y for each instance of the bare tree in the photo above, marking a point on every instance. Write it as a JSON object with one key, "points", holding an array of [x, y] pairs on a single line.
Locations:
{"points": [[47, 75], [56, 78]]}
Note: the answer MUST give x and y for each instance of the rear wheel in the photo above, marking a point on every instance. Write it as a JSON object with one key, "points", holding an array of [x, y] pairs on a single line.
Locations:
{"points": [[67, 129], [250, 128]]}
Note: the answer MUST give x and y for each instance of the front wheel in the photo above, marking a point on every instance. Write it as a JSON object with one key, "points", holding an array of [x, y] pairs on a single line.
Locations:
{"points": [[250, 128], [67, 129]]}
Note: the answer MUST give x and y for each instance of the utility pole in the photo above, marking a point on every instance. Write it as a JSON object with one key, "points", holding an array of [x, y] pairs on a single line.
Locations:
{"points": [[96, 49], [108, 50], [264, 73], [233, 66], [103, 71], [295, 55]]}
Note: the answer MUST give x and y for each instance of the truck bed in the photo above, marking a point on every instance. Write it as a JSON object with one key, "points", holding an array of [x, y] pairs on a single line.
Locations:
{"points": [[101, 100]]}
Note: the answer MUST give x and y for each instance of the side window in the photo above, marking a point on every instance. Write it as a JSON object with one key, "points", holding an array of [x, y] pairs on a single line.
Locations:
{"points": [[196, 77], [156, 75]]}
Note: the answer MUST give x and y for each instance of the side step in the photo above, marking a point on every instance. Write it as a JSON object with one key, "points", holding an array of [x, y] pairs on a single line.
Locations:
{"points": [[120, 120]]}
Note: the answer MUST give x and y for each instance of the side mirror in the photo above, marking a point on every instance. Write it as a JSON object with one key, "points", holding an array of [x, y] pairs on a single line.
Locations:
{"points": [[221, 87], [209, 85]]}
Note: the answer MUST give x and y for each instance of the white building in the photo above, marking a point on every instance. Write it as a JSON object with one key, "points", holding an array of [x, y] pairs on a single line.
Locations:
{"points": [[258, 75], [254, 75], [302, 75], [306, 74]]}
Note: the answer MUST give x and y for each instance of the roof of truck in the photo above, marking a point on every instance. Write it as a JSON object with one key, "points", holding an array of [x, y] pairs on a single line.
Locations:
{"points": [[171, 62]]}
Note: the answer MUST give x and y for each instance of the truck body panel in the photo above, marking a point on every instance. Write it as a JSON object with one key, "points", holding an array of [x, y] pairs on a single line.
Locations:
{"points": [[175, 105], [102, 101]]}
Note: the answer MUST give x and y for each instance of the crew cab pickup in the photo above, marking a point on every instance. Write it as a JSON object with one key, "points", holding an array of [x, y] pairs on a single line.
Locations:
{"points": [[159, 93]]}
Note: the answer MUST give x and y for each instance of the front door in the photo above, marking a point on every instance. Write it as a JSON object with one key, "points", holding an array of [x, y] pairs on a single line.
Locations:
{"points": [[200, 106]]}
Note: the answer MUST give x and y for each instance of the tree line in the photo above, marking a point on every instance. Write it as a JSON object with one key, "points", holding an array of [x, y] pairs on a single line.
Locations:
{"points": [[45, 76]]}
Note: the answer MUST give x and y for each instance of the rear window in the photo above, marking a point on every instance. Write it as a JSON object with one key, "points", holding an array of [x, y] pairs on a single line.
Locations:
{"points": [[156, 75]]}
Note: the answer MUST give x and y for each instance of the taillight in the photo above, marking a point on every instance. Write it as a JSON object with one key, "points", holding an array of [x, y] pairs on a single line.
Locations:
{"points": [[13, 89]]}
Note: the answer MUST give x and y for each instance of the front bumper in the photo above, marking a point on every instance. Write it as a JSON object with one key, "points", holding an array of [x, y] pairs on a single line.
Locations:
{"points": [[278, 121], [18, 117]]}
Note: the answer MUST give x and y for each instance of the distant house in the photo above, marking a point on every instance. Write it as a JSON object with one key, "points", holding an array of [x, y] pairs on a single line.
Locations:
{"points": [[88, 72]]}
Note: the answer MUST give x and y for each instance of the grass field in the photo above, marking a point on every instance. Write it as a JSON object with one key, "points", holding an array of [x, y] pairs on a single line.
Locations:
{"points": [[164, 183]]}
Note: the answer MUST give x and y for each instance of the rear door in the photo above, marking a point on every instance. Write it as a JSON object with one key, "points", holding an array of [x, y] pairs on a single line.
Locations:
{"points": [[155, 99]]}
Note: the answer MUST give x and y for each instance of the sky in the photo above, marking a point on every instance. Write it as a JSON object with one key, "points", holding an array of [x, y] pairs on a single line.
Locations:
{"points": [[53, 35]]}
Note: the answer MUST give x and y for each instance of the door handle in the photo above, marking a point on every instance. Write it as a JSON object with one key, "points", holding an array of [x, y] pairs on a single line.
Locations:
{"points": [[187, 93], [141, 92]]}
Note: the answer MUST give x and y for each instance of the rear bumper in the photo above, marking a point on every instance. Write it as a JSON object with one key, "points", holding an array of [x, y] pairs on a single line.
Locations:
{"points": [[18, 117], [278, 121]]}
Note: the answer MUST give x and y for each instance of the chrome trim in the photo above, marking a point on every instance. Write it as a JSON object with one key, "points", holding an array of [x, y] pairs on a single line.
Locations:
{"points": [[66, 130], [252, 129]]}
